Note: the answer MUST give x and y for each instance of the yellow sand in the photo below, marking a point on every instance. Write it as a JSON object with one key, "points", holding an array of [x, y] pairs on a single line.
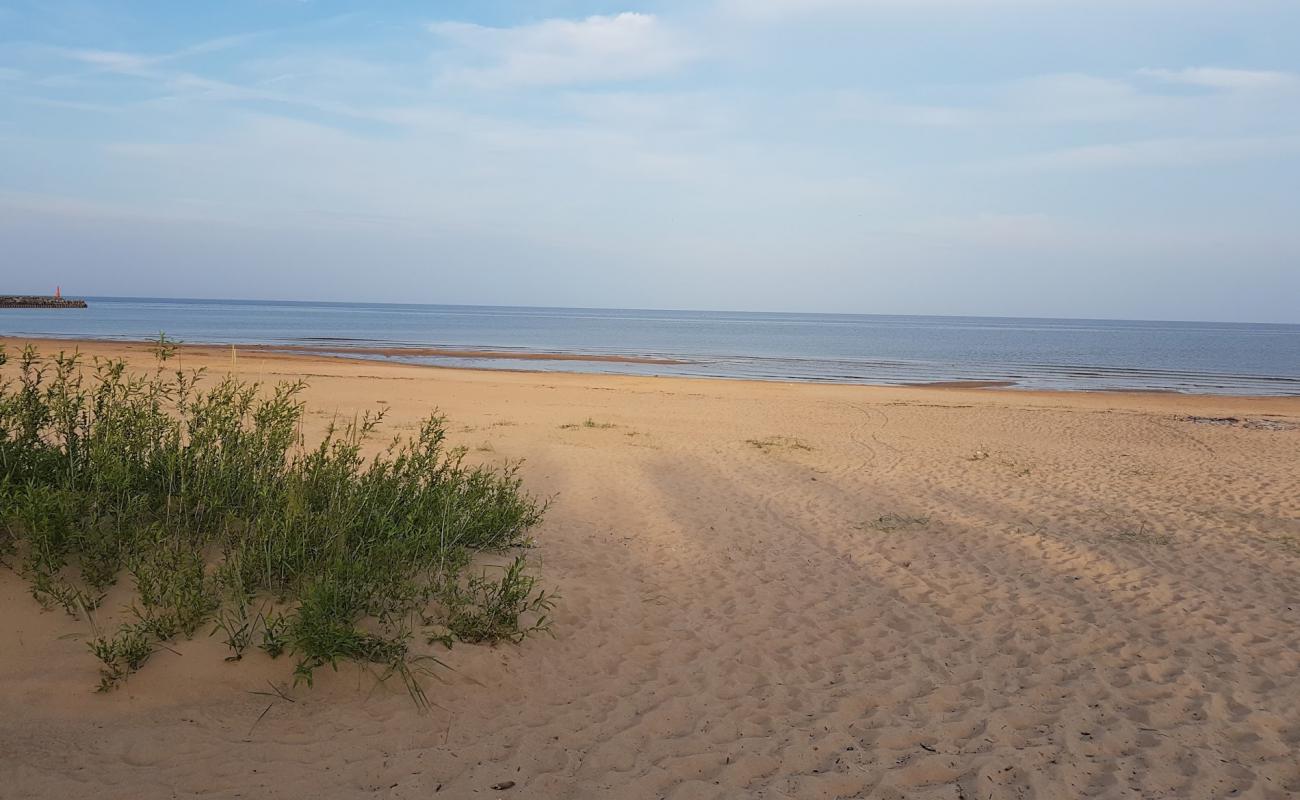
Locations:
{"points": [[921, 593]]}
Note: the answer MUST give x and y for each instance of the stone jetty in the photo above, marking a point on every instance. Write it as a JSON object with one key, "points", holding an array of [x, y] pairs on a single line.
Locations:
{"points": [[39, 301]]}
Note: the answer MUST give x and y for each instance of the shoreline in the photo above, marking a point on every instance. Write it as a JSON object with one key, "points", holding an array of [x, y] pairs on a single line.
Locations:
{"points": [[344, 355], [447, 352]]}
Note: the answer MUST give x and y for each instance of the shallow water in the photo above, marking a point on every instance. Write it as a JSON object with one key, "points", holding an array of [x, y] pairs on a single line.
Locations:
{"points": [[1227, 358]]}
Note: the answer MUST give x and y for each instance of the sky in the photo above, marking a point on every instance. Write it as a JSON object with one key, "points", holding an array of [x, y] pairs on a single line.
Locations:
{"points": [[1133, 159]]}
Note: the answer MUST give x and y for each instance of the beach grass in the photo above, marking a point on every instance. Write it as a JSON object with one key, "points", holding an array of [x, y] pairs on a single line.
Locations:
{"points": [[206, 494], [588, 423], [771, 443], [890, 523]]}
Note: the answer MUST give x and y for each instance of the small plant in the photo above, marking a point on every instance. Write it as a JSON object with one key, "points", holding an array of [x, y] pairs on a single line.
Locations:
{"points": [[121, 655], [482, 610], [237, 627], [771, 443], [163, 349], [73, 599], [588, 423], [275, 634], [890, 523]]}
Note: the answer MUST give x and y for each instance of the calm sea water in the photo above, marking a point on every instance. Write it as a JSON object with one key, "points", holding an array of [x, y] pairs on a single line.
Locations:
{"points": [[1033, 353]]}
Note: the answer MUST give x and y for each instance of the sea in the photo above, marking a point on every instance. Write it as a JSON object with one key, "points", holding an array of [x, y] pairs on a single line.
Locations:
{"points": [[1028, 353]]}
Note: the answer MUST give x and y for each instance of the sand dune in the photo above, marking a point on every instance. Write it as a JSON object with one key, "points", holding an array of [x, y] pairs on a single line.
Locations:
{"points": [[772, 591]]}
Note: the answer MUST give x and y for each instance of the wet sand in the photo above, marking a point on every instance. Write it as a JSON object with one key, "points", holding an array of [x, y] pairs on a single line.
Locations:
{"points": [[767, 590], [345, 350], [443, 352]]}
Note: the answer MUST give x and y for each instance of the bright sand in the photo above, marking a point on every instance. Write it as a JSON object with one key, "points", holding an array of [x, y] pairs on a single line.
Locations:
{"points": [[922, 593]]}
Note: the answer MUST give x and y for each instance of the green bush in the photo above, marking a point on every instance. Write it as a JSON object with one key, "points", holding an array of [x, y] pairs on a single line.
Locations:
{"points": [[205, 493]]}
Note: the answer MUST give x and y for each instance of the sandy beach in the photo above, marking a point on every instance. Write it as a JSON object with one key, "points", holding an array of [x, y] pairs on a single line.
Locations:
{"points": [[767, 590]]}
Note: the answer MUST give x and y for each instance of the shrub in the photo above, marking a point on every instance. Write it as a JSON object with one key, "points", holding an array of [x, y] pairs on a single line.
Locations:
{"points": [[205, 493]]}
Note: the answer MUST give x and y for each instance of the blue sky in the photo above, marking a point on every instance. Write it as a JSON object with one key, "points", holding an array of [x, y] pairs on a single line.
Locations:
{"points": [[1100, 158]]}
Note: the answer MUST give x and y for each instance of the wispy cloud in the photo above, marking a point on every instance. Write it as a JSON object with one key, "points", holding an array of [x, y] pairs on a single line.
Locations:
{"points": [[1221, 78], [1148, 96], [111, 60], [597, 49], [170, 84], [772, 10], [132, 63], [1039, 100], [1153, 153]]}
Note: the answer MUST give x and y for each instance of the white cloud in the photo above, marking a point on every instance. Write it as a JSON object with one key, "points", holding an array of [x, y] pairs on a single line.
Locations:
{"points": [[111, 60], [597, 49], [1221, 78], [131, 63]]}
